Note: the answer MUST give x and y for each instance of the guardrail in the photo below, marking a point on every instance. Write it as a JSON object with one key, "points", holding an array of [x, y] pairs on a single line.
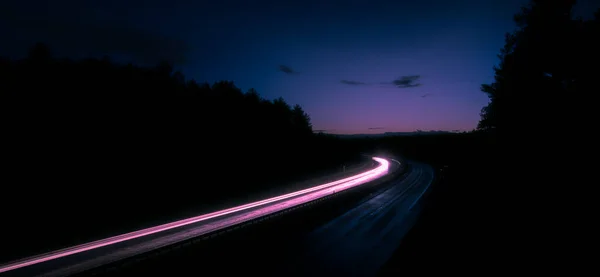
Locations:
{"points": [[349, 197]]}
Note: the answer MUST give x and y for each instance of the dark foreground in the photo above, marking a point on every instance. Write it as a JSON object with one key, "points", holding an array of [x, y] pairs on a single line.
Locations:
{"points": [[461, 228]]}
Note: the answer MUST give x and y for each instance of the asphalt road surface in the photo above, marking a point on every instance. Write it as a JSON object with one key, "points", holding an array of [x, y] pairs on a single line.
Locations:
{"points": [[360, 241], [356, 241], [94, 254]]}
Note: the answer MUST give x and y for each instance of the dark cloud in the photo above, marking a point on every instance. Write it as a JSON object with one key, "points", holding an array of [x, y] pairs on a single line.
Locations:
{"points": [[376, 128], [323, 131], [354, 83], [426, 95], [286, 69], [407, 81]]}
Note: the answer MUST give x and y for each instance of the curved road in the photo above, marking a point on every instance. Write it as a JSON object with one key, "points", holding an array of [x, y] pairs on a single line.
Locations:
{"points": [[357, 242], [90, 255], [361, 240]]}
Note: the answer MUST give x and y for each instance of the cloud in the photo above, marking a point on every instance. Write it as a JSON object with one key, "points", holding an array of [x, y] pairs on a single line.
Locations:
{"points": [[286, 69], [376, 128], [323, 131], [426, 95], [407, 81], [353, 83]]}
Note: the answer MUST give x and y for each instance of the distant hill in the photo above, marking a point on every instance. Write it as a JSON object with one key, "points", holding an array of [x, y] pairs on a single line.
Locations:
{"points": [[391, 134]]}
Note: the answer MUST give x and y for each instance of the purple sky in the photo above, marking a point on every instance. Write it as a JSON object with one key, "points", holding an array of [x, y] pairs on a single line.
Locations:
{"points": [[452, 45]]}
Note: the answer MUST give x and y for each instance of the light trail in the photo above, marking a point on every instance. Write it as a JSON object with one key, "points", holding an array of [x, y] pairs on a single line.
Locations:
{"points": [[304, 196]]}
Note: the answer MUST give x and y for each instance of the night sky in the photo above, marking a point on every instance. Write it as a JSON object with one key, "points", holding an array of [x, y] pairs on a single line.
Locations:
{"points": [[355, 66]]}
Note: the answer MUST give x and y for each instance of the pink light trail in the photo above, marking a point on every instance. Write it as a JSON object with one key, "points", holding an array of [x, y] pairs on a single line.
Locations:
{"points": [[303, 196]]}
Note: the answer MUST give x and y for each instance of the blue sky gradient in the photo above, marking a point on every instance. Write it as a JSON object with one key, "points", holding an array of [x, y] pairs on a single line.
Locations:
{"points": [[452, 45]]}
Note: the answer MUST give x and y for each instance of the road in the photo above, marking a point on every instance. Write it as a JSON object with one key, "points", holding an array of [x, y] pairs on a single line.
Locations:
{"points": [[97, 253], [360, 241], [357, 240]]}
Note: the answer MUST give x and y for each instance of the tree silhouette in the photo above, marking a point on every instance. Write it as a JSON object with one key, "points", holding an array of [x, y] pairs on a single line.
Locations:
{"points": [[40, 53], [301, 121], [104, 121], [548, 61]]}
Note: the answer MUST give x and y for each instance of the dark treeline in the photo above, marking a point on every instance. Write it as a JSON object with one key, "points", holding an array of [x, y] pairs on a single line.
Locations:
{"points": [[541, 104], [547, 63], [506, 186], [106, 144]]}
